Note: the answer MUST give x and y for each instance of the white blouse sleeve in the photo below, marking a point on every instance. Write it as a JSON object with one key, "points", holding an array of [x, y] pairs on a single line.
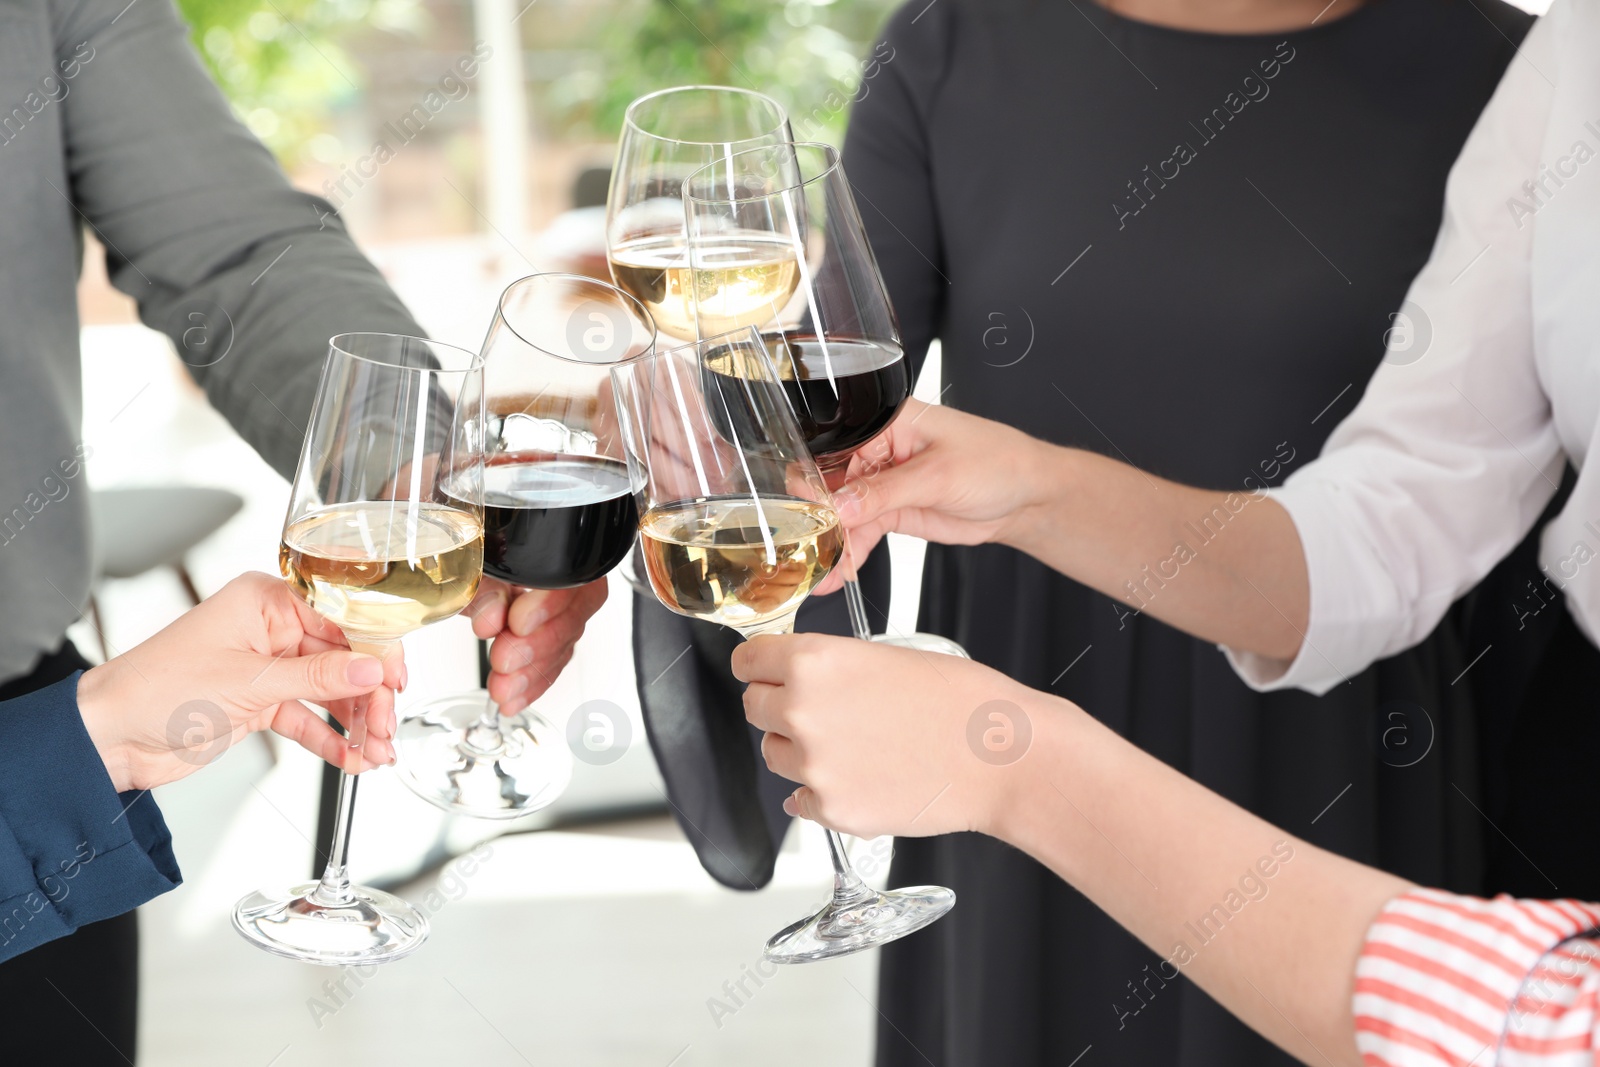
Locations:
{"points": [[1451, 454]]}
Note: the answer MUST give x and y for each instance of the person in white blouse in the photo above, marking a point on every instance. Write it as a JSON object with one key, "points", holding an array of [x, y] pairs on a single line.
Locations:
{"points": [[1492, 384]]}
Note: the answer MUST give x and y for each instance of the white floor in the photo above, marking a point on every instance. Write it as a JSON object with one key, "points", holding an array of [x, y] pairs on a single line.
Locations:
{"points": [[608, 946]]}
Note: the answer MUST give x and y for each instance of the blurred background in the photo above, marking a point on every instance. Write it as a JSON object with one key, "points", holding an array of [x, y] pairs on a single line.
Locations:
{"points": [[587, 933]]}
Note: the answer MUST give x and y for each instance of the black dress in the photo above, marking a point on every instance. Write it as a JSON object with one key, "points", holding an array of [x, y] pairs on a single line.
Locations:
{"points": [[1181, 250]]}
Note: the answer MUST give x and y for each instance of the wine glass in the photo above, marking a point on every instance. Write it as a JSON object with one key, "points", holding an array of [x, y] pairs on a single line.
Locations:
{"points": [[737, 528], [558, 513], [666, 136], [384, 535], [832, 332]]}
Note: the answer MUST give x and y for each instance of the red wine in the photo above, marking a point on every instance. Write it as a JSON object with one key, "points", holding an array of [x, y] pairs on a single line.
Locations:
{"points": [[555, 521], [844, 393]]}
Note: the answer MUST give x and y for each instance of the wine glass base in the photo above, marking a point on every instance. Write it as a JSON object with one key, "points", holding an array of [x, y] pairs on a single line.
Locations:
{"points": [[875, 919], [921, 642], [525, 769], [375, 927]]}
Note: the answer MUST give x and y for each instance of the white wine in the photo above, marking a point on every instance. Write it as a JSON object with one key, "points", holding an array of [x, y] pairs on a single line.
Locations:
{"points": [[743, 279], [381, 569], [743, 563]]}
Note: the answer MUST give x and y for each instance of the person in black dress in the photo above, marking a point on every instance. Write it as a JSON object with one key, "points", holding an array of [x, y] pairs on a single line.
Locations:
{"points": [[1182, 249]]}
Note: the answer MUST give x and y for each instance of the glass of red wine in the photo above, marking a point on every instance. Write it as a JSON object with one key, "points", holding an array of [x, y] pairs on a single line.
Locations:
{"points": [[558, 513], [817, 297]]}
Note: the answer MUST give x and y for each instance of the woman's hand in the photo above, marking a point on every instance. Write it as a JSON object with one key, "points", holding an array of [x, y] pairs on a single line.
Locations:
{"points": [[534, 633], [883, 739], [941, 475], [240, 662]]}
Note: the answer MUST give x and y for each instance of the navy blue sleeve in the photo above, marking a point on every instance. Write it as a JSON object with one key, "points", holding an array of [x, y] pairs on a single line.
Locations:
{"points": [[72, 849]]}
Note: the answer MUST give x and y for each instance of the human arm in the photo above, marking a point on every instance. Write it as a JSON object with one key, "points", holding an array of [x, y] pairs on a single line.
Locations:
{"points": [[248, 276], [79, 840], [880, 738], [1329, 959], [1444, 465], [950, 477]]}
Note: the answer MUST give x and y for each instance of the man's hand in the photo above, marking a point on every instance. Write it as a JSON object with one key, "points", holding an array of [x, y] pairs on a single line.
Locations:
{"points": [[240, 662], [534, 632]]}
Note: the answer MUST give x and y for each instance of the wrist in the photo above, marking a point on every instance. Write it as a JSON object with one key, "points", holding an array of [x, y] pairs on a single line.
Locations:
{"points": [[1043, 474], [97, 704], [1026, 808]]}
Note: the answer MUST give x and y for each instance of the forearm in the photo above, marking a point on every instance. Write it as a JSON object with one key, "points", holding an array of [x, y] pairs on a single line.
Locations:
{"points": [[247, 276], [1187, 873], [1224, 566]]}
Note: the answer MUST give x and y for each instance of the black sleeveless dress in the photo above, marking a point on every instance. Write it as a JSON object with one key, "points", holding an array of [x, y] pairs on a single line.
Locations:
{"points": [[1181, 250]]}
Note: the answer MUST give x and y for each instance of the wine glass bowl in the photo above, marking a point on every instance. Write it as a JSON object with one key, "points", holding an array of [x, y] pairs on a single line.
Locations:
{"points": [[736, 526], [667, 136], [383, 535], [834, 339], [558, 513]]}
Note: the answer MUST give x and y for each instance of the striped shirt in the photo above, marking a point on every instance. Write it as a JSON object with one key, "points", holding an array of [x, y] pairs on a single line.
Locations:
{"points": [[1448, 981]]}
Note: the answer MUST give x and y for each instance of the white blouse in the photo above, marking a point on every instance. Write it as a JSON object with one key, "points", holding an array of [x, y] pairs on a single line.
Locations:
{"points": [[1490, 383]]}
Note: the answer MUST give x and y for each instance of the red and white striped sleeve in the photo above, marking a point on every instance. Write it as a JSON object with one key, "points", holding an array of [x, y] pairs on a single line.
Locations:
{"points": [[1449, 981]]}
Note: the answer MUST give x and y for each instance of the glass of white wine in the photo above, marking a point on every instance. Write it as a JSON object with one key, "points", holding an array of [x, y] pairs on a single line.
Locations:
{"points": [[736, 527], [667, 136], [384, 535]]}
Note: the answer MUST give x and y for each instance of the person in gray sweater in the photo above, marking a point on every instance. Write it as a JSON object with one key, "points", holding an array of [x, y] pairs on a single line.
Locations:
{"points": [[109, 123]]}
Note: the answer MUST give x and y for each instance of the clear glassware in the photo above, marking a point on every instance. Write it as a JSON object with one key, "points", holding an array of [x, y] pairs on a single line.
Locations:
{"points": [[737, 528], [776, 242], [666, 136], [384, 535], [558, 513]]}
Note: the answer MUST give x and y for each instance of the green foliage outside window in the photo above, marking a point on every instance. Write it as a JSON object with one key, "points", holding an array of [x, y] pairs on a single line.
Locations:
{"points": [[811, 55], [286, 67], [281, 65]]}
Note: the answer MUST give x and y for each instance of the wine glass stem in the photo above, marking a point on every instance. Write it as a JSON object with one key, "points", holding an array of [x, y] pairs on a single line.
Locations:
{"points": [[858, 610], [847, 885], [848, 888], [484, 736], [860, 625], [334, 889]]}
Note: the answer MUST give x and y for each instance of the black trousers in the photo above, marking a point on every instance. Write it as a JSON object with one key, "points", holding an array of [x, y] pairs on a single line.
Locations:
{"points": [[74, 1000]]}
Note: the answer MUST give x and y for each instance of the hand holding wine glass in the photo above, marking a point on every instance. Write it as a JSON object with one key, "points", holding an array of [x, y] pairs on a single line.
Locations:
{"points": [[534, 634], [879, 742], [241, 661], [941, 475]]}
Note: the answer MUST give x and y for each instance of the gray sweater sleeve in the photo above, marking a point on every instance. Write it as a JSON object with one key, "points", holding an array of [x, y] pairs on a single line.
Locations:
{"points": [[248, 276]]}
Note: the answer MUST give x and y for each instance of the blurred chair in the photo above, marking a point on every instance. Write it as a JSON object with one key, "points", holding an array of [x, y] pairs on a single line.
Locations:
{"points": [[139, 529], [590, 187]]}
